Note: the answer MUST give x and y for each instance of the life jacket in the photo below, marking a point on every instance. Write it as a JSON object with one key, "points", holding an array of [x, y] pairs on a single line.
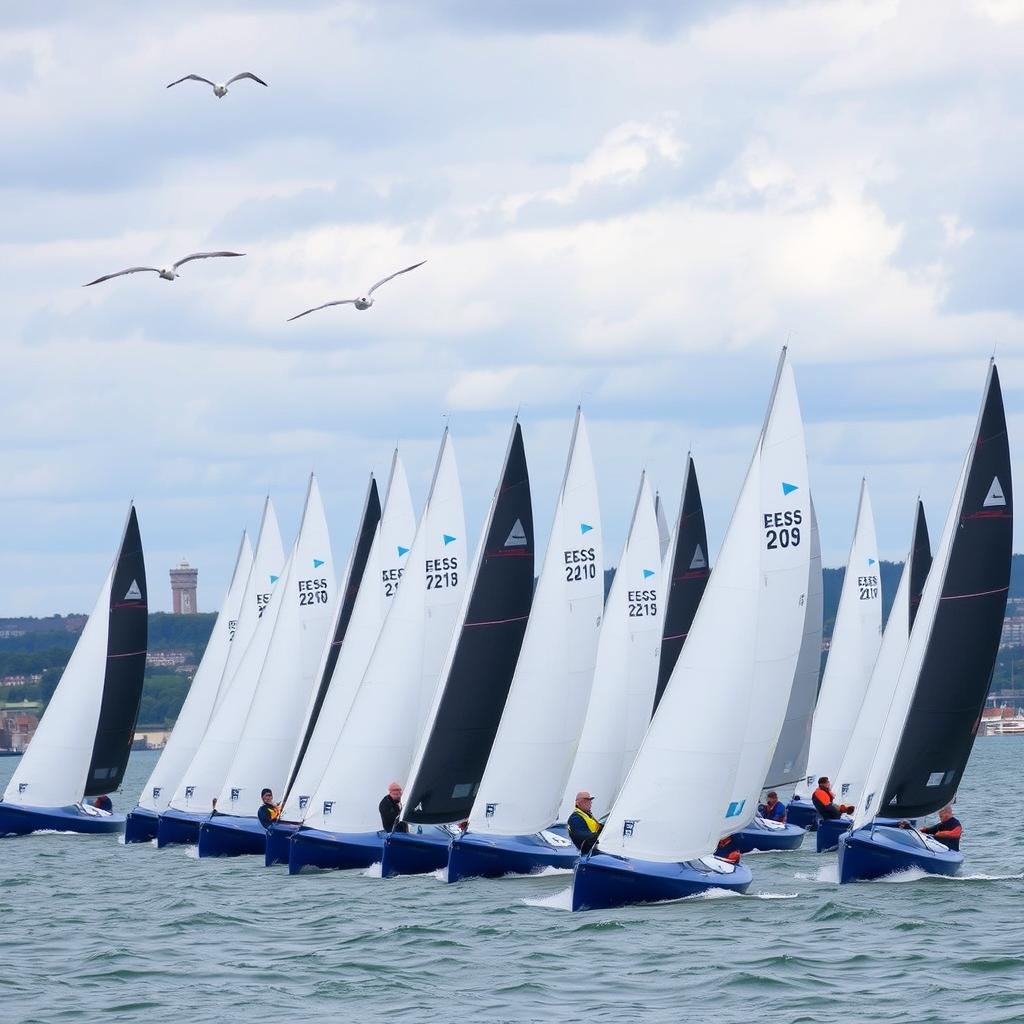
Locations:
{"points": [[592, 823], [822, 796], [275, 812]]}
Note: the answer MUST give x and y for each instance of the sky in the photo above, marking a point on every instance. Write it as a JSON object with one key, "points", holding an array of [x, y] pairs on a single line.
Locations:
{"points": [[629, 206]]}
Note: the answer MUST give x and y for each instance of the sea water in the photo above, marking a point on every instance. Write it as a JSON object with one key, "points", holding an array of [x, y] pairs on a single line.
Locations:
{"points": [[93, 930]]}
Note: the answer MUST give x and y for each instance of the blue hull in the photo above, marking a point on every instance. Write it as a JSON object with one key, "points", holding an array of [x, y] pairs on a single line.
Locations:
{"points": [[279, 840], [313, 848], [16, 820], [603, 881], [802, 813], [760, 836], [880, 850], [829, 831], [415, 853], [475, 855], [228, 836], [141, 825], [179, 828]]}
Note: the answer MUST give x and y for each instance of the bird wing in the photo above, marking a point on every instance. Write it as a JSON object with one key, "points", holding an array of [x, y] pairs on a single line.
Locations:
{"points": [[192, 78], [121, 273], [384, 280], [337, 302], [204, 256], [245, 74]]}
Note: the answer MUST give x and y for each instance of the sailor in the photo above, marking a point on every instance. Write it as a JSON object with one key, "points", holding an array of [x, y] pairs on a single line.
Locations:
{"points": [[947, 829], [391, 809], [104, 803], [773, 809], [269, 811], [824, 801], [584, 828], [728, 849]]}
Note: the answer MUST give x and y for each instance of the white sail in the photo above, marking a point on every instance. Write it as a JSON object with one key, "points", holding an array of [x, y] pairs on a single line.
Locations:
{"points": [[909, 668], [627, 665], [54, 768], [195, 712], [664, 534], [201, 781], [670, 808], [305, 601], [783, 598], [790, 759], [849, 779], [377, 740], [385, 565], [536, 742], [856, 638]]}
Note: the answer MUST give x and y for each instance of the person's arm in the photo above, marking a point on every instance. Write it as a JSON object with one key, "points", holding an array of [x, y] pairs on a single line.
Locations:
{"points": [[948, 833]]}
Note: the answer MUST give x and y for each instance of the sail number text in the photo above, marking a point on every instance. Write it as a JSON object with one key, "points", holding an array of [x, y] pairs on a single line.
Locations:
{"points": [[641, 603], [312, 592], [442, 572], [391, 578], [782, 529], [868, 586], [580, 564]]}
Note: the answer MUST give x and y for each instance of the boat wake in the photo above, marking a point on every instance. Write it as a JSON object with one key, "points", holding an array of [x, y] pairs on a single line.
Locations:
{"points": [[825, 873], [774, 895], [373, 871], [561, 900], [191, 851], [441, 874]]}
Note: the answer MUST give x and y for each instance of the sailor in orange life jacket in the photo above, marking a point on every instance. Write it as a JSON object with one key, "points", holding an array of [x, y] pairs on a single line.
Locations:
{"points": [[824, 801], [584, 828], [947, 829], [728, 849], [269, 812]]}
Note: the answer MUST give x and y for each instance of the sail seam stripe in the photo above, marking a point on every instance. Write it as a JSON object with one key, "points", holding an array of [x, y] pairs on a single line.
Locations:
{"points": [[497, 622], [129, 654], [981, 593]]}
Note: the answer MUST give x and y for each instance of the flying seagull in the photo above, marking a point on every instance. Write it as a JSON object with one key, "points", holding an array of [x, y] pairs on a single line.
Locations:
{"points": [[364, 301], [164, 272], [219, 88]]}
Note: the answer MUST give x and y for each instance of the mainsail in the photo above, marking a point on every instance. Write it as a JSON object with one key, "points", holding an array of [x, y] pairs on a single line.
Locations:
{"points": [[84, 739], [482, 659], [945, 675]]}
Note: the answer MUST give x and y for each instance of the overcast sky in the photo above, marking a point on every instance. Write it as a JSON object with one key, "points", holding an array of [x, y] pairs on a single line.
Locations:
{"points": [[629, 205]]}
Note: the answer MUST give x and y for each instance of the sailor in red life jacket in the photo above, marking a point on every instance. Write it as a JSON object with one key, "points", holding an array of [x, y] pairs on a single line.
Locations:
{"points": [[728, 849], [824, 801]]}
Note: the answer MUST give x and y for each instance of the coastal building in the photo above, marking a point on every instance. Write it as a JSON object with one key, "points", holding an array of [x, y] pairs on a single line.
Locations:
{"points": [[18, 723], [184, 582]]}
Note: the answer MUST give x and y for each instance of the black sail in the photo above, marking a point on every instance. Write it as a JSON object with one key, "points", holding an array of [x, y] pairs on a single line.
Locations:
{"points": [[963, 637], [484, 660], [125, 666], [690, 573], [920, 562], [360, 553]]}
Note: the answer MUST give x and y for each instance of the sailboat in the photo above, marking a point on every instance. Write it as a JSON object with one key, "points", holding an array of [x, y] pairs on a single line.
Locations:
{"points": [[763, 834], [529, 763], [342, 825], [944, 677], [84, 739], [849, 780], [627, 666], [856, 638], [301, 619], [196, 791], [142, 823], [373, 578], [474, 683], [689, 784]]}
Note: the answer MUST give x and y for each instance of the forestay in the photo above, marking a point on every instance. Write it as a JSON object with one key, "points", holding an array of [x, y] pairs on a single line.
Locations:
{"points": [[789, 762], [856, 637], [671, 806], [540, 726], [931, 724], [198, 707], [849, 780], [83, 741], [304, 615], [626, 669], [385, 564], [201, 781], [376, 742]]}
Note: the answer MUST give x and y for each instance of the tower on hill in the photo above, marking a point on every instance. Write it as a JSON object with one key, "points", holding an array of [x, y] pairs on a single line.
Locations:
{"points": [[184, 580]]}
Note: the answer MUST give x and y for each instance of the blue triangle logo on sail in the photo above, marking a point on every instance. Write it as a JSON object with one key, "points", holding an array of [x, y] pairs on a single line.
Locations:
{"points": [[273, 578], [871, 561], [789, 488], [317, 562], [402, 551], [517, 536], [995, 497], [585, 527], [448, 538], [648, 573]]}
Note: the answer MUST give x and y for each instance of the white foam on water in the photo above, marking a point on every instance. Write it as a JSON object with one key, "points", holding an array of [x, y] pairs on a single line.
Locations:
{"points": [[373, 871], [120, 839], [153, 842], [909, 875], [56, 832], [982, 878], [441, 874], [775, 895], [710, 894], [549, 872], [561, 900], [191, 851]]}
